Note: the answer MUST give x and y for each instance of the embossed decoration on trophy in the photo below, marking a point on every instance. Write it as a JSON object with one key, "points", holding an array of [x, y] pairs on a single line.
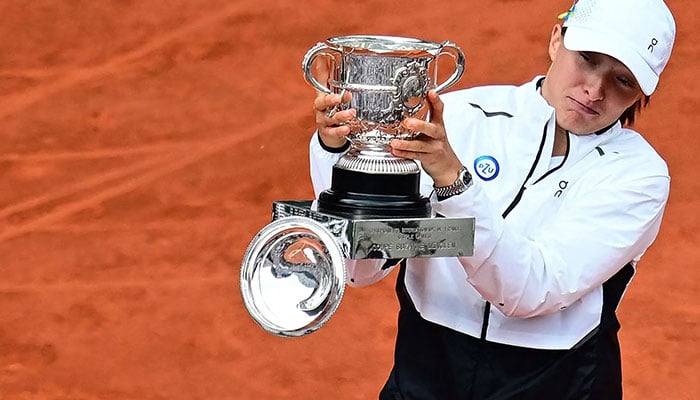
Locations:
{"points": [[389, 78]]}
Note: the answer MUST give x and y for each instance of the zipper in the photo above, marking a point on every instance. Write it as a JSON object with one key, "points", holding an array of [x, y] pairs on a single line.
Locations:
{"points": [[566, 156], [519, 196], [485, 321], [516, 200]]}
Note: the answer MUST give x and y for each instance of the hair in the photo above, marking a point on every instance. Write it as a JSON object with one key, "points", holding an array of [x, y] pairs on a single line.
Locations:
{"points": [[628, 116]]}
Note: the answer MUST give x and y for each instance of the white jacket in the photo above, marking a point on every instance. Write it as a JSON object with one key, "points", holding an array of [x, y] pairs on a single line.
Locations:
{"points": [[548, 233]]}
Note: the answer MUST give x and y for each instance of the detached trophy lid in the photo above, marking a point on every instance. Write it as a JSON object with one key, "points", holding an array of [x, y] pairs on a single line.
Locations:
{"points": [[292, 276]]}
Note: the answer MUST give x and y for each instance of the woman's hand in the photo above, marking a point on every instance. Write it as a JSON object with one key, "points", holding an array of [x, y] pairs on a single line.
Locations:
{"points": [[430, 146], [329, 122]]}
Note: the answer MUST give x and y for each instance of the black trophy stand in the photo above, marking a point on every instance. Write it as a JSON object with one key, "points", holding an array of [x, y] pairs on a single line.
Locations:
{"points": [[363, 195]]}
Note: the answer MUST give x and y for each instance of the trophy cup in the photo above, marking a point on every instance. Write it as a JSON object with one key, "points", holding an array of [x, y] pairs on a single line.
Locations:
{"points": [[389, 78], [293, 271]]}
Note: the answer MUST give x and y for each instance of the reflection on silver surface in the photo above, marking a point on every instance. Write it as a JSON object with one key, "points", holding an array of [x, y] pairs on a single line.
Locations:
{"points": [[301, 255], [390, 238], [389, 78], [292, 276]]}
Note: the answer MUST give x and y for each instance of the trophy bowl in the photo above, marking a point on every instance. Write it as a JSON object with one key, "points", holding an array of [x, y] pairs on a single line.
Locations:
{"points": [[389, 78]]}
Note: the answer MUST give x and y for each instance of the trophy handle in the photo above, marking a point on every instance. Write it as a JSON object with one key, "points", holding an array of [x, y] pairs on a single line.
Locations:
{"points": [[320, 49], [457, 55]]}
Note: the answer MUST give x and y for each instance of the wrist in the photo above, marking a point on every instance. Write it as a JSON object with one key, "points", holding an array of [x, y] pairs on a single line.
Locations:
{"points": [[458, 185], [448, 177], [334, 145]]}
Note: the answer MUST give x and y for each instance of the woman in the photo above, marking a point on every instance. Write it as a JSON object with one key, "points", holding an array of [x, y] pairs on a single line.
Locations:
{"points": [[566, 201]]}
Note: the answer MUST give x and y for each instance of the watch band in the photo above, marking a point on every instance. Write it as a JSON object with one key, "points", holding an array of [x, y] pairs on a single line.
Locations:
{"points": [[460, 185]]}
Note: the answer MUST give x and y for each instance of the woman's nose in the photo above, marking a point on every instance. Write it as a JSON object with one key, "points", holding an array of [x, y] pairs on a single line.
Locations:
{"points": [[595, 88]]}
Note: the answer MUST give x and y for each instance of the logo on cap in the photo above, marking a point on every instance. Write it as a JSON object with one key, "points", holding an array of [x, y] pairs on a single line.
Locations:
{"points": [[653, 43]]}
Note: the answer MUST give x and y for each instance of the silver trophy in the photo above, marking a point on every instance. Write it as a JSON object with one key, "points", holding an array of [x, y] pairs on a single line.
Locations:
{"points": [[293, 271], [389, 78]]}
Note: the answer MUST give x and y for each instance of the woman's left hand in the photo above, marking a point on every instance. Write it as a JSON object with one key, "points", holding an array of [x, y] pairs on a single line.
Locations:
{"points": [[431, 146]]}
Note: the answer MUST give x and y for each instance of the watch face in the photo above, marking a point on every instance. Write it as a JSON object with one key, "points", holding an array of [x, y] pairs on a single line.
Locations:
{"points": [[462, 173], [467, 178]]}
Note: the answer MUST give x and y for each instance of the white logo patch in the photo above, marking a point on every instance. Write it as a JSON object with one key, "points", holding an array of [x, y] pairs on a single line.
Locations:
{"points": [[486, 167]]}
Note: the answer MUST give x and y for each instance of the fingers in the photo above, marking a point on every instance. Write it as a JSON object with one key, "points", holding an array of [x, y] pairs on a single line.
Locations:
{"points": [[333, 135], [431, 145], [436, 156], [437, 107], [328, 113], [433, 128], [424, 127], [324, 102], [430, 129], [322, 70], [331, 120], [412, 149]]}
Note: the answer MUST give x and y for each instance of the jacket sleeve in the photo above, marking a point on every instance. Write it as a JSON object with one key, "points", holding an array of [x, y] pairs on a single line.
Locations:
{"points": [[602, 230], [321, 162]]}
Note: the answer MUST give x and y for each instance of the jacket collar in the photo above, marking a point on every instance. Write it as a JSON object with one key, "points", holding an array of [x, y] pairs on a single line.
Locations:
{"points": [[543, 115]]}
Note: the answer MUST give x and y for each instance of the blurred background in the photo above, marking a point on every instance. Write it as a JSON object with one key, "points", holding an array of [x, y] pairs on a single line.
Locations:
{"points": [[142, 144]]}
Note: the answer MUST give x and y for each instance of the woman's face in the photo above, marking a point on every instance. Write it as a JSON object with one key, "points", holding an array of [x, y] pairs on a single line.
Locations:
{"points": [[588, 90]]}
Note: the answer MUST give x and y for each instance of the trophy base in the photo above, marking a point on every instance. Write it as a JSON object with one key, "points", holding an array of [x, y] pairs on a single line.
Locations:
{"points": [[364, 195]]}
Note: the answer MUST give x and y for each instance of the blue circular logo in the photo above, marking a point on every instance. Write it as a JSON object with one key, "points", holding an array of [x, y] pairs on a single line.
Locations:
{"points": [[486, 167]]}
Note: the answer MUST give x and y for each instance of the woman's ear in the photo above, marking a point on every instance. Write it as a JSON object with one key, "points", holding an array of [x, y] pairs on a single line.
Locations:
{"points": [[555, 41]]}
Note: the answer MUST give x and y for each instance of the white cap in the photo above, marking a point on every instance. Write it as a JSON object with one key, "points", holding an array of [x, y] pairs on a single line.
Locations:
{"points": [[638, 33]]}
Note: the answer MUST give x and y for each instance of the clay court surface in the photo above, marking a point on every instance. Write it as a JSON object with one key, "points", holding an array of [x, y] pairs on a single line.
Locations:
{"points": [[143, 142]]}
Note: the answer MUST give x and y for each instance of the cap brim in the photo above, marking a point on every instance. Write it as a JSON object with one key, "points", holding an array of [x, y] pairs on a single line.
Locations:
{"points": [[581, 39]]}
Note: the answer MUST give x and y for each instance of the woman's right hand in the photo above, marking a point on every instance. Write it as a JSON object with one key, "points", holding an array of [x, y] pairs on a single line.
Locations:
{"points": [[330, 123]]}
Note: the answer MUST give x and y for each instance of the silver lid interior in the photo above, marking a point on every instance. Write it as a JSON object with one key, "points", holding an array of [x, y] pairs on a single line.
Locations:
{"points": [[383, 44], [292, 276]]}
